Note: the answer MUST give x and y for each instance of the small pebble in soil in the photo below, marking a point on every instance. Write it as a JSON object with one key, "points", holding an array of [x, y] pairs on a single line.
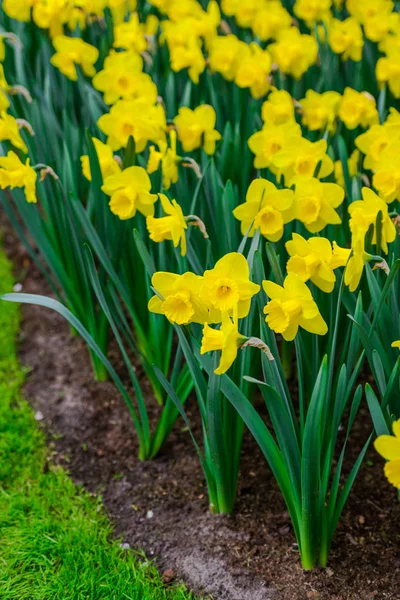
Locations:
{"points": [[39, 416], [124, 546], [149, 514]]}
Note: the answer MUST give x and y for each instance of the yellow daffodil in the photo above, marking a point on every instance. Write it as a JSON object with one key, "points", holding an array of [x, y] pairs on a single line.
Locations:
{"points": [[300, 157], [227, 287], [14, 173], [18, 9], [108, 164], [196, 128], [225, 55], [137, 118], [388, 446], [171, 227], [319, 111], [180, 298], [119, 9], [130, 35], [316, 203], [315, 259], [352, 165], [364, 213], [386, 179], [346, 38], [253, 70], [185, 48], [226, 339], [130, 192], [279, 108], [9, 130], [357, 108], [292, 306], [167, 156], [267, 209], [311, 11], [293, 52], [122, 77], [4, 89], [375, 140], [272, 139], [269, 20], [388, 71], [71, 52], [355, 265], [52, 15]]}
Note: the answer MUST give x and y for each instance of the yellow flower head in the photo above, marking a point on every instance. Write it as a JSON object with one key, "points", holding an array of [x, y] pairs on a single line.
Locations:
{"points": [[227, 287], [108, 164], [279, 108], [364, 214], [185, 48], [346, 38], [227, 339], [171, 227], [52, 15], [196, 128], [122, 77], [167, 156], [130, 191], [292, 306], [386, 179], [357, 108], [316, 203], [293, 52], [225, 55], [388, 446], [375, 140], [14, 173], [300, 157], [180, 298], [355, 265], [9, 130], [319, 111], [272, 139], [269, 20], [137, 118], [266, 208], [253, 70], [18, 9], [71, 52], [388, 71], [311, 11], [130, 35], [315, 259]]}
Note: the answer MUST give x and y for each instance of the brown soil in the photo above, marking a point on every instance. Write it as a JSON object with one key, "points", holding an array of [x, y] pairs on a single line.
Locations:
{"points": [[161, 506]]}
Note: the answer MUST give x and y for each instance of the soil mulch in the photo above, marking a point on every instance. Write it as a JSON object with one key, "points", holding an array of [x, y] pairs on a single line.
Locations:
{"points": [[161, 506]]}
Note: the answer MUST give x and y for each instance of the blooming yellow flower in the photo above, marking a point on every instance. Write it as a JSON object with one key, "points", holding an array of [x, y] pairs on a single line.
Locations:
{"points": [[122, 77], [364, 213], [386, 179], [267, 209], [300, 157], [355, 265], [272, 139], [388, 446], [375, 140], [315, 259], [292, 306], [167, 156], [352, 165], [52, 15], [180, 298], [227, 287], [108, 164], [14, 173], [311, 11], [269, 20], [357, 108], [196, 128], [253, 70], [4, 89], [227, 339], [278, 108], [319, 111], [18, 9], [388, 71], [130, 35], [225, 55], [9, 130], [293, 52], [130, 191], [171, 227], [185, 48], [346, 38], [119, 8], [71, 52], [137, 118], [316, 203]]}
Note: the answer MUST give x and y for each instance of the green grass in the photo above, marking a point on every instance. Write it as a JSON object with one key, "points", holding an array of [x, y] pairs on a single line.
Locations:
{"points": [[55, 539]]}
